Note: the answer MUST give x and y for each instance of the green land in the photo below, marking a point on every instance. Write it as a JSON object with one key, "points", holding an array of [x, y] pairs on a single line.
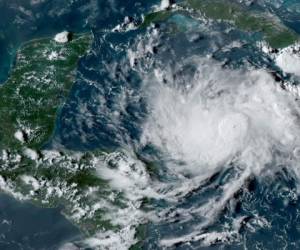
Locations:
{"points": [[30, 99], [270, 27], [35, 91], [38, 85]]}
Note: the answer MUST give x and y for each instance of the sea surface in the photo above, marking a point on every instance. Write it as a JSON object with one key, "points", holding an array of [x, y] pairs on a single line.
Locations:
{"points": [[142, 91], [25, 226]]}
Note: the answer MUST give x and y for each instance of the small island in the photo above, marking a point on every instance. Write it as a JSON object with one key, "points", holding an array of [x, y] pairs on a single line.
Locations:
{"points": [[273, 31]]}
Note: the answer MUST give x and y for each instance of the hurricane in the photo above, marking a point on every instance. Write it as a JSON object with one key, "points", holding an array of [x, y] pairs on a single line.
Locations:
{"points": [[128, 125]]}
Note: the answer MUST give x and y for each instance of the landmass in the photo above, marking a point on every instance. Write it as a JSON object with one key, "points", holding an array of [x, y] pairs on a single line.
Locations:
{"points": [[37, 88], [38, 85], [30, 100], [270, 27]]}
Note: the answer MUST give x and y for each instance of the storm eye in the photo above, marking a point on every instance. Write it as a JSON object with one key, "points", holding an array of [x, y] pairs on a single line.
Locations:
{"points": [[233, 127]]}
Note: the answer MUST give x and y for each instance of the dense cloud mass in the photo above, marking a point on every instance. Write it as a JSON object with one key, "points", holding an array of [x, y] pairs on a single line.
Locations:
{"points": [[222, 116], [219, 119], [181, 127]]}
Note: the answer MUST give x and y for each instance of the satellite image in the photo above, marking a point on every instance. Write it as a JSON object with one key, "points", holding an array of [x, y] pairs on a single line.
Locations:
{"points": [[149, 124]]}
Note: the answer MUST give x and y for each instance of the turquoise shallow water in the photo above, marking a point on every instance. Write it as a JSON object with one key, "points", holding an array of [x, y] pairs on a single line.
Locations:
{"points": [[102, 79], [23, 225]]}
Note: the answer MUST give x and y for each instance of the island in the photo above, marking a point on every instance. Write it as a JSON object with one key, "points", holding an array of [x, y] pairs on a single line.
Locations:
{"points": [[272, 30]]}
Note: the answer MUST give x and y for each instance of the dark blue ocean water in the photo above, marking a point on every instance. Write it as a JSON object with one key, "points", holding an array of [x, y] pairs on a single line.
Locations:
{"points": [[96, 88], [22, 20], [29, 227], [25, 226]]}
